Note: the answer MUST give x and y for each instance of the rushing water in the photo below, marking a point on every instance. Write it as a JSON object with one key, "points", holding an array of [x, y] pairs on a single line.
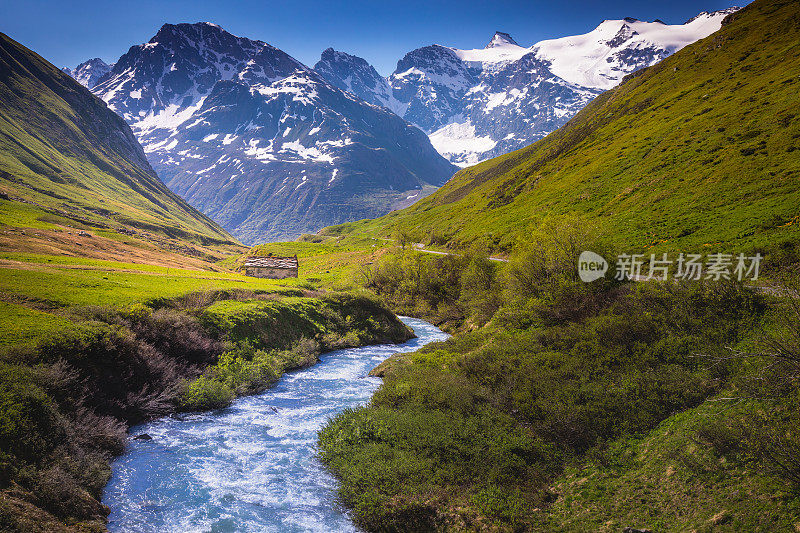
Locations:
{"points": [[252, 466]]}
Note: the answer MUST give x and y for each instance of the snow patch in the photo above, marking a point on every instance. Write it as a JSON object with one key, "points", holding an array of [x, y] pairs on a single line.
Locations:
{"points": [[457, 141], [163, 146], [312, 153], [168, 119]]}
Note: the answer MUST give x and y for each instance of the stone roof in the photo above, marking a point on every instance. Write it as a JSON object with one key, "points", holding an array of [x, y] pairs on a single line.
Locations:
{"points": [[272, 261]]}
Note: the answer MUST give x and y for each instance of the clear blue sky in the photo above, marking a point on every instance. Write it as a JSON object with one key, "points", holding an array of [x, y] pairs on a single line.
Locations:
{"points": [[69, 32]]}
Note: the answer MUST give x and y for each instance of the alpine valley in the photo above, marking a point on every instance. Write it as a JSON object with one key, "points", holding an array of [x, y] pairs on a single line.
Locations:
{"points": [[270, 148], [607, 319]]}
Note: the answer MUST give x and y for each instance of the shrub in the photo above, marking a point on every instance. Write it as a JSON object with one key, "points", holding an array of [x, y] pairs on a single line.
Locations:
{"points": [[765, 428], [547, 263], [61, 493], [105, 433], [30, 425], [205, 393]]}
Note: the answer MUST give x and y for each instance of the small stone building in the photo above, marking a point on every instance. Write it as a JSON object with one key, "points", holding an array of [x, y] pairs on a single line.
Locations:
{"points": [[271, 266]]}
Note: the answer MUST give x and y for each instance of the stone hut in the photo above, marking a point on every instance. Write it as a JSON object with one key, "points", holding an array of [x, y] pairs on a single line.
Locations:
{"points": [[272, 267]]}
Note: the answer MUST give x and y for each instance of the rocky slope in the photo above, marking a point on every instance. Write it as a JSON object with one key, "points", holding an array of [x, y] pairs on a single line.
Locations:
{"points": [[260, 142]]}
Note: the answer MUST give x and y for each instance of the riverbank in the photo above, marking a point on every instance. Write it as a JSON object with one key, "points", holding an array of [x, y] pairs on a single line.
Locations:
{"points": [[69, 395], [252, 466]]}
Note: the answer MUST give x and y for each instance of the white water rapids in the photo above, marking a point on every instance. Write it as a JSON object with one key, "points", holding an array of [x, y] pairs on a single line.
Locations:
{"points": [[250, 467]]}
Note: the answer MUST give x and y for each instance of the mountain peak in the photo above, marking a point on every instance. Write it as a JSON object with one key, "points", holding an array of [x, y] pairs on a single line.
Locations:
{"points": [[501, 39], [706, 14], [168, 31], [89, 72], [94, 61], [330, 54]]}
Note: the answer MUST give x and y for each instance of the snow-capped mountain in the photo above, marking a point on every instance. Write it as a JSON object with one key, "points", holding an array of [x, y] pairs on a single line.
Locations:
{"points": [[480, 103], [271, 148], [602, 57], [260, 142], [89, 72]]}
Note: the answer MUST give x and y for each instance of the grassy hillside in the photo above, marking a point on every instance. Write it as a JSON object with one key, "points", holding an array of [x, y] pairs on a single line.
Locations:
{"points": [[703, 148], [568, 406], [64, 156]]}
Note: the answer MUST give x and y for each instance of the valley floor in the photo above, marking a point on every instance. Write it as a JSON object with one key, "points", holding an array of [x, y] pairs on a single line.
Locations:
{"points": [[556, 406]]}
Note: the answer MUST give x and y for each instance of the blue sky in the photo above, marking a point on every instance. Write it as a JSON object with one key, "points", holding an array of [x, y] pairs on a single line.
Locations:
{"points": [[67, 33]]}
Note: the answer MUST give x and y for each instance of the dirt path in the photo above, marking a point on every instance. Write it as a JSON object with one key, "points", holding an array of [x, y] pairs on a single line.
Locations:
{"points": [[418, 246]]}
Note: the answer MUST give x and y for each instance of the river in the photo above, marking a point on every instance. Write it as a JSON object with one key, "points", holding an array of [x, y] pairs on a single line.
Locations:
{"points": [[250, 467]]}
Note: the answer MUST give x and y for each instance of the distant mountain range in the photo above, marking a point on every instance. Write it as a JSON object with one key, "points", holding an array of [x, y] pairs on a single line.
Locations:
{"points": [[260, 142], [477, 104], [271, 148]]}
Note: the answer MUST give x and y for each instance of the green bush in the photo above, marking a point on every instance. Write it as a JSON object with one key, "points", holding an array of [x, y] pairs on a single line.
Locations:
{"points": [[204, 393], [30, 424]]}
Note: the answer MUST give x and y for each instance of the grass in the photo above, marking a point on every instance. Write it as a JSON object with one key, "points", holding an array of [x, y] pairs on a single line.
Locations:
{"points": [[22, 215], [68, 287], [21, 325], [668, 481], [50, 285], [58, 260]]}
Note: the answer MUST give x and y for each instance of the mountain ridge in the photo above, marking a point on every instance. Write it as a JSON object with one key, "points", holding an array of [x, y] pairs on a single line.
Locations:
{"points": [[685, 153], [479, 103], [282, 154]]}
